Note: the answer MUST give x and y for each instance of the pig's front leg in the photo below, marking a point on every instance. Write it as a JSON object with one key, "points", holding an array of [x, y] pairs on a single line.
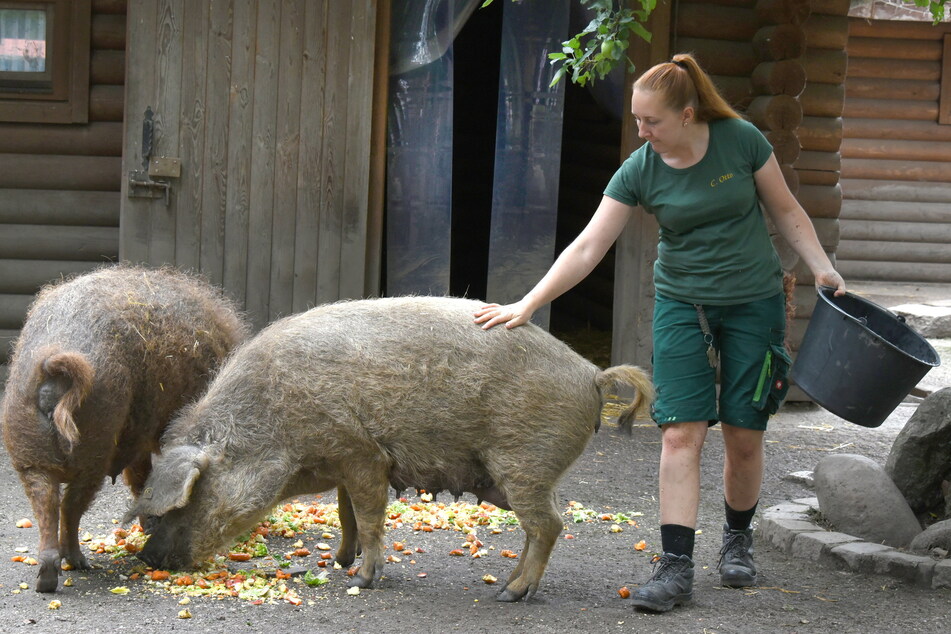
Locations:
{"points": [[43, 493], [349, 541], [76, 499]]}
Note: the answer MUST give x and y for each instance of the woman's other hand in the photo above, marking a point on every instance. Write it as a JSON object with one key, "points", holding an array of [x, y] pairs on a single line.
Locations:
{"points": [[830, 278]]}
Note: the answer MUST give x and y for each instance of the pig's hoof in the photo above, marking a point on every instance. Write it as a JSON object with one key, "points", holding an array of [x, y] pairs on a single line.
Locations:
{"points": [[47, 580], [510, 596], [357, 581], [78, 561]]}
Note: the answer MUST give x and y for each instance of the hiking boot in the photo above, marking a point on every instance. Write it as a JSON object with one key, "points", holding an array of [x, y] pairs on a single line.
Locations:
{"points": [[736, 558], [670, 584]]}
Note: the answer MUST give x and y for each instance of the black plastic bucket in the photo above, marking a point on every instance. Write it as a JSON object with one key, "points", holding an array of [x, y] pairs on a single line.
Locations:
{"points": [[859, 360]]}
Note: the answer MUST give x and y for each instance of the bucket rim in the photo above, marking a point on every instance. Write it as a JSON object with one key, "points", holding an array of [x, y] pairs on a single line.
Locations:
{"points": [[825, 292]]}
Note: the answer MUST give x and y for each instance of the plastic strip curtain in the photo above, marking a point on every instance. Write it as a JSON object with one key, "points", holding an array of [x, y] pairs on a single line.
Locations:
{"points": [[528, 150], [419, 144]]}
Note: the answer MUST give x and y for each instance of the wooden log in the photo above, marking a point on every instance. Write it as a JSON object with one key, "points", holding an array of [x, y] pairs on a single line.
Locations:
{"points": [[28, 276], [890, 210], [820, 134], [928, 232], [108, 31], [720, 57], [894, 69], [819, 161], [782, 11], [785, 77], [827, 31], [28, 171], [895, 49], [51, 242], [886, 251], [779, 42], [856, 128], [824, 66], [897, 190], [889, 88], [702, 19], [13, 310], [785, 145], [896, 149], [891, 109], [823, 100], [775, 112], [737, 91], [106, 102], [94, 139], [107, 67], [894, 29], [896, 170], [896, 271], [817, 177], [830, 7], [819, 201], [109, 6], [59, 207]]}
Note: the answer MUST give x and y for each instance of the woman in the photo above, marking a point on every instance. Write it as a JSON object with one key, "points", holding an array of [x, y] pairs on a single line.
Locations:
{"points": [[719, 303]]}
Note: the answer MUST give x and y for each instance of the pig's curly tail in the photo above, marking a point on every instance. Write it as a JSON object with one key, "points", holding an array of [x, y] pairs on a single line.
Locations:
{"points": [[74, 367], [633, 377]]}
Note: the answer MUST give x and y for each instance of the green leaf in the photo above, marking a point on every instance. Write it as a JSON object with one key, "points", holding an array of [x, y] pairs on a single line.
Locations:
{"points": [[315, 580]]}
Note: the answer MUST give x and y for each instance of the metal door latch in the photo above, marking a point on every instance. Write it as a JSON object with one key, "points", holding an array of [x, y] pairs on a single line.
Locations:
{"points": [[150, 181]]}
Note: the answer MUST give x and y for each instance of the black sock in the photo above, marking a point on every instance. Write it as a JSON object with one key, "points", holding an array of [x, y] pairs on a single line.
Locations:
{"points": [[677, 540], [738, 520]]}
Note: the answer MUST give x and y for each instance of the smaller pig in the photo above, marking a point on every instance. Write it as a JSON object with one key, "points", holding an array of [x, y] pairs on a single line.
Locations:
{"points": [[363, 395], [101, 364]]}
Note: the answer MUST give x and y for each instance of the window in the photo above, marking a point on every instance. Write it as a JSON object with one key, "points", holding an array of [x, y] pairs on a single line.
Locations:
{"points": [[44, 60]]}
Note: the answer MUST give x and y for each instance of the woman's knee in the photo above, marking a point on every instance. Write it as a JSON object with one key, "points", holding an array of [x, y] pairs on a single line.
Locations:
{"points": [[683, 437]]}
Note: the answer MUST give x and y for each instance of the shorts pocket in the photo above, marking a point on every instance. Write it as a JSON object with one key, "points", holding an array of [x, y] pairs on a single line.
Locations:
{"points": [[773, 381]]}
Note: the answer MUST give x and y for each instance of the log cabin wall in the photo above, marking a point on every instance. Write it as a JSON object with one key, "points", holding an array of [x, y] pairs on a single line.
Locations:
{"points": [[896, 156], [59, 183]]}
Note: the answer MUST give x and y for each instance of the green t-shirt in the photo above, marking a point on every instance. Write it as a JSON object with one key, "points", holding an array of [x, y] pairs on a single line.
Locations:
{"points": [[713, 247]]}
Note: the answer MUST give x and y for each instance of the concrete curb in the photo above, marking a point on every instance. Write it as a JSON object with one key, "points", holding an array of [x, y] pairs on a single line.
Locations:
{"points": [[791, 528]]}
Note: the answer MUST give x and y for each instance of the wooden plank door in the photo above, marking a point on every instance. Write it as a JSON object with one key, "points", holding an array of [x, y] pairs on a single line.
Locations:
{"points": [[265, 107]]}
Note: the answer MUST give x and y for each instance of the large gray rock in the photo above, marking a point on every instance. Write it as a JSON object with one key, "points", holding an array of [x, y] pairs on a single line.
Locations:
{"points": [[935, 537], [858, 498], [932, 321], [920, 458]]}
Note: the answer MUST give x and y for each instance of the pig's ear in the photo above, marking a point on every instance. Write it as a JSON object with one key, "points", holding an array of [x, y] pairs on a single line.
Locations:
{"points": [[170, 484]]}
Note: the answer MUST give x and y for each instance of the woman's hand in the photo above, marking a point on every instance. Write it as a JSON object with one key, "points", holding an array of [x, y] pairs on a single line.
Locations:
{"points": [[830, 278], [511, 315]]}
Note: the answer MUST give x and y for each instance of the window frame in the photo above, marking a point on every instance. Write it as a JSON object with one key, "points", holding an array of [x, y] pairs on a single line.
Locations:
{"points": [[65, 98]]}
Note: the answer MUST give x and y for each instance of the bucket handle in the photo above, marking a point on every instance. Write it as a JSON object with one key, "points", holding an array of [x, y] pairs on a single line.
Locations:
{"points": [[900, 318]]}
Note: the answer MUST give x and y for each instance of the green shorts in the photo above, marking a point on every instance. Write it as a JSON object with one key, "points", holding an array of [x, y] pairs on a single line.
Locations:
{"points": [[753, 362]]}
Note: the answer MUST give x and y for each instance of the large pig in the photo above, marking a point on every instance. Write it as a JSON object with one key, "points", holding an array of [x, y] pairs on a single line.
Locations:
{"points": [[102, 363], [363, 395]]}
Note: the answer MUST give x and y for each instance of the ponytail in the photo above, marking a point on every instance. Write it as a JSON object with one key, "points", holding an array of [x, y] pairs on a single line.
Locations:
{"points": [[683, 83]]}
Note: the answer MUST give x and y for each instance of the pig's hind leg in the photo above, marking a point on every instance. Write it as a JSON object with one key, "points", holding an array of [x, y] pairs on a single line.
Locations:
{"points": [[349, 542], [77, 497], [44, 496], [368, 490], [539, 518]]}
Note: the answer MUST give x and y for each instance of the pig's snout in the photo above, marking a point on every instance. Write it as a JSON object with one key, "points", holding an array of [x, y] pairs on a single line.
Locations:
{"points": [[165, 551]]}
